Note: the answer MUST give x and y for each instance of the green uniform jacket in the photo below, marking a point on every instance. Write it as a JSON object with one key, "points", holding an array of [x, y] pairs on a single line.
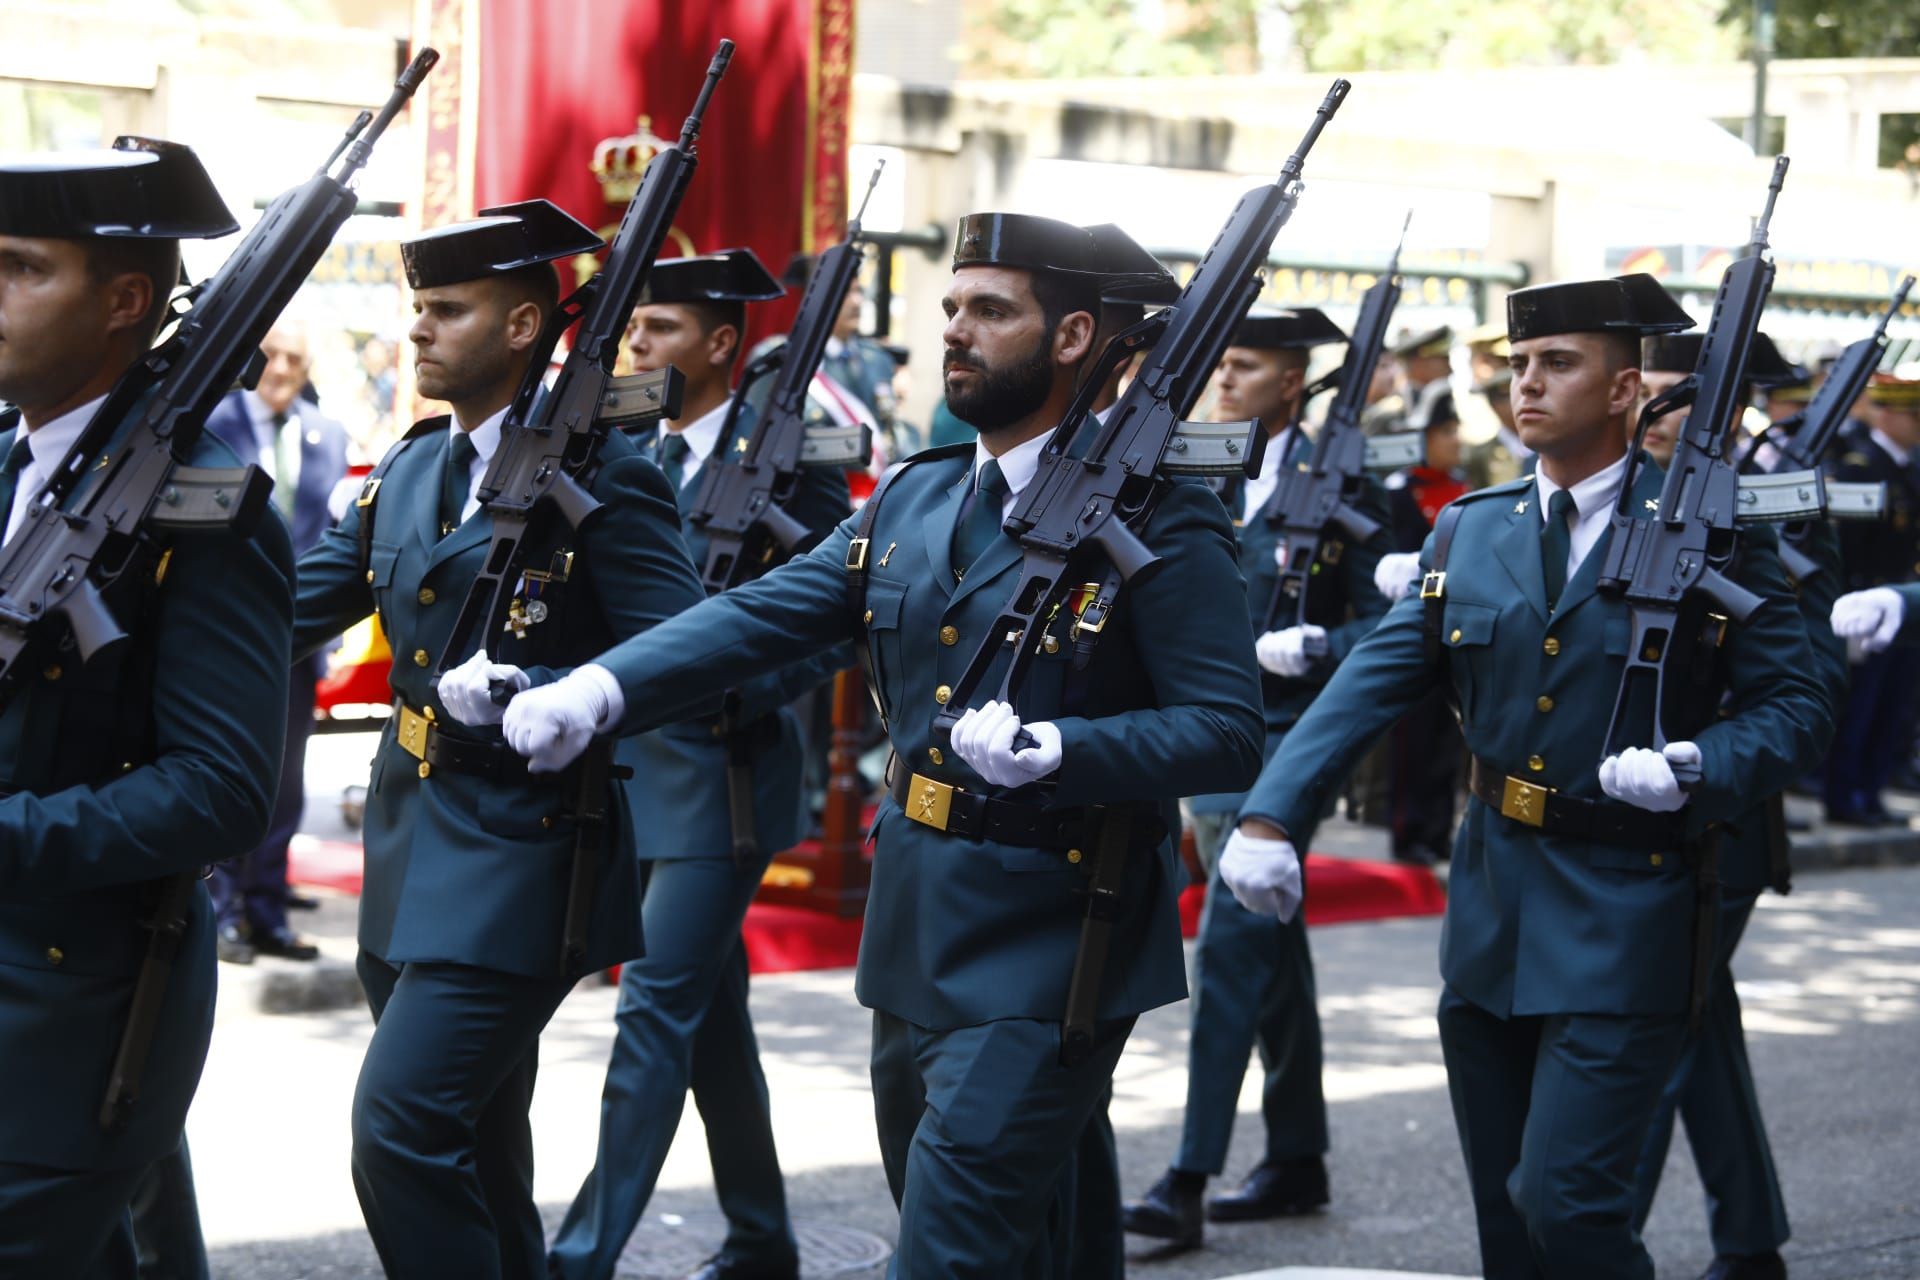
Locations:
{"points": [[1341, 597], [460, 869], [155, 758], [1543, 924], [680, 771], [961, 932]]}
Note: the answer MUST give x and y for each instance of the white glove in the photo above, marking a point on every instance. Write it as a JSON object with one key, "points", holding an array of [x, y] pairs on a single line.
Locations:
{"points": [[984, 739], [553, 724], [1868, 620], [1285, 652], [467, 690], [1264, 875], [1643, 777], [1395, 575]]}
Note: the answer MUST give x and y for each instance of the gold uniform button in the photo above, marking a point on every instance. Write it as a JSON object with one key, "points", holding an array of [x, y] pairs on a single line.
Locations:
{"points": [[53, 672], [1455, 637], [1552, 646], [1543, 703], [1655, 859], [426, 770], [55, 955], [933, 755], [420, 658], [1535, 763], [941, 694], [546, 820], [1073, 856], [1050, 644], [369, 577], [426, 595], [867, 617], [949, 635]]}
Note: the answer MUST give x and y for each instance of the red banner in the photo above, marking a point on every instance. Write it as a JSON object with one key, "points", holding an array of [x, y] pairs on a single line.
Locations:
{"points": [[560, 98]]}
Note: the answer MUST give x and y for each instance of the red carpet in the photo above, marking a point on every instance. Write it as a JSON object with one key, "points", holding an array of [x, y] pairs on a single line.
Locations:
{"points": [[782, 939]]}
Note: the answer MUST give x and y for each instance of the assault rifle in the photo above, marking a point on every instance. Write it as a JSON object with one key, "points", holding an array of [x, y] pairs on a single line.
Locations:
{"points": [[1670, 567], [550, 444], [742, 506], [55, 571], [1800, 452], [1317, 503], [549, 455], [1084, 507], [60, 562]]}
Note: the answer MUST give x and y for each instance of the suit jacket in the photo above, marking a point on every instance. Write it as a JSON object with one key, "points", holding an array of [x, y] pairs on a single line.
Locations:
{"points": [[1538, 923], [459, 869], [1341, 597], [958, 931], [680, 770], [1880, 552], [155, 758], [323, 459]]}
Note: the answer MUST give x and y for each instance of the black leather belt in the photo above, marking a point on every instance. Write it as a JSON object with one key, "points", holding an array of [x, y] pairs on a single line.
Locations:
{"points": [[421, 736], [1599, 821], [958, 812]]}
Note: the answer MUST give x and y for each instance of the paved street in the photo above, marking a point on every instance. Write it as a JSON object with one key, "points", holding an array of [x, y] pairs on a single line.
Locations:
{"points": [[1830, 977]]}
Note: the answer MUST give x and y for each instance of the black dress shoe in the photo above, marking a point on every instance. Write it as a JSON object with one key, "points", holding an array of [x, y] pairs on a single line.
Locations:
{"points": [[231, 945], [302, 902], [285, 943], [721, 1267], [1281, 1190], [1169, 1211], [1747, 1266]]}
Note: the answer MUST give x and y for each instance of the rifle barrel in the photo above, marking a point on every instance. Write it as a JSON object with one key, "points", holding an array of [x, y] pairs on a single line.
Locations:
{"points": [[1322, 114], [690, 131]]}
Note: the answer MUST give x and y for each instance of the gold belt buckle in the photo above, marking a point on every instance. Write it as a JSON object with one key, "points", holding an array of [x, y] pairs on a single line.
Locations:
{"points": [[1523, 801], [1434, 585], [929, 802], [411, 733]]}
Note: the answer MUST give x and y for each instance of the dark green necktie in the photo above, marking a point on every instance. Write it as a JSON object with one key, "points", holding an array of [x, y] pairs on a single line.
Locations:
{"points": [[456, 481], [674, 451], [1556, 543], [17, 457], [979, 522]]}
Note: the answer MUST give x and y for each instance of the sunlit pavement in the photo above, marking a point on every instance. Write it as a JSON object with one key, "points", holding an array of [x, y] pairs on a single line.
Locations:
{"points": [[1830, 980]]}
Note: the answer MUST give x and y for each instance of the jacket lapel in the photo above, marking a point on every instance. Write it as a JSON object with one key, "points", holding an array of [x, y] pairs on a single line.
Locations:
{"points": [[1585, 581], [999, 556], [1517, 548], [426, 497], [477, 530], [937, 531]]}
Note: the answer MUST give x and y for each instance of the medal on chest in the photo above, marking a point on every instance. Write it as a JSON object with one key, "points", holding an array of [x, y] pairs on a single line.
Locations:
{"points": [[530, 607]]}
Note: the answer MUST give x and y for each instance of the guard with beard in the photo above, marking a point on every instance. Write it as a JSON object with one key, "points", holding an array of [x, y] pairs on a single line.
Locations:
{"points": [[978, 894], [1569, 931], [150, 760], [1255, 974], [468, 856]]}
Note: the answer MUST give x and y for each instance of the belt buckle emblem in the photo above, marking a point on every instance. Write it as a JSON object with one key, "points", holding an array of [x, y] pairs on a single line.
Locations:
{"points": [[1524, 802], [412, 732], [930, 802]]}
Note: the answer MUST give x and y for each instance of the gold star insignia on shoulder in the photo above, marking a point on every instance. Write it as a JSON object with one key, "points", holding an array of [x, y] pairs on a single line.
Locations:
{"points": [[1520, 507], [1653, 504]]}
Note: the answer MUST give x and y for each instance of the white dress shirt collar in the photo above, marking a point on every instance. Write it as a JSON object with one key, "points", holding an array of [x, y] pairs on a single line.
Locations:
{"points": [[1593, 506], [47, 444], [1894, 451], [1255, 492], [701, 435], [486, 442], [1017, 465]]}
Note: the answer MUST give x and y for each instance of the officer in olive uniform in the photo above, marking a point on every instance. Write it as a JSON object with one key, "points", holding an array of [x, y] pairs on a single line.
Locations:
{"points": [[1568, 937], [1876, 724], [1254, 975], [683, 1006], [1713, 1089], [982, 851], [468, 857], [147, 762]]}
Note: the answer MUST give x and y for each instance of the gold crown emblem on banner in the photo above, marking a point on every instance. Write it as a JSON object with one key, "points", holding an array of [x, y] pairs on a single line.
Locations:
{"points": [[620, 162]]}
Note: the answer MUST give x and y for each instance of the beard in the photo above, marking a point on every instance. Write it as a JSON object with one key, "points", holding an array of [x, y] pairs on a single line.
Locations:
{"points": [[998, 398]]}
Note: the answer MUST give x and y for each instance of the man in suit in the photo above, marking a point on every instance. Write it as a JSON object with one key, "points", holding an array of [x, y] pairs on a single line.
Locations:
{"points": [[305, 453], [683, 1017], [983, 849], [1876, 722], [123, 773], [469, 858], [1254, 974], [1570, 914]]}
